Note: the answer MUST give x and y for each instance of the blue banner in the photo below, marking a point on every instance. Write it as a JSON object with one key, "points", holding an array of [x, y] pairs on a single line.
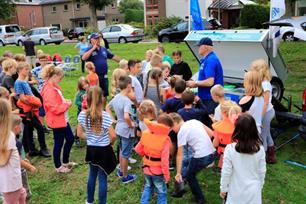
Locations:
{"points": [[195, 12]]}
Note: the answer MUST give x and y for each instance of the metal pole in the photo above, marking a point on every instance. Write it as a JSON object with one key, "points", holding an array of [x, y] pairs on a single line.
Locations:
{"points": [[219, 15], [189, 17]]}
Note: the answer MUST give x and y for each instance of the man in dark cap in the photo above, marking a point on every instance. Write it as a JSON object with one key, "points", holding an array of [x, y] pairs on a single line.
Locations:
{"points": [[98, 56], [210, 73]]}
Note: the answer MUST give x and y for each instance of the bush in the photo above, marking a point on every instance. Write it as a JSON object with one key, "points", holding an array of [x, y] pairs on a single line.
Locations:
{"points": [[253, 16], [137, 24], [65, 31], [133, 15], [165, 23]]}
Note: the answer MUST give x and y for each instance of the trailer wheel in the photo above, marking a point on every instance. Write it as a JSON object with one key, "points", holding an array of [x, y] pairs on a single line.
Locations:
{"points": [[277, 88]]}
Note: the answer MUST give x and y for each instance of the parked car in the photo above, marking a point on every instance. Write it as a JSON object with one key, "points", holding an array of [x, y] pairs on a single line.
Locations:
{"points": [[75, 32], [43, 36], [292, 29], [9, 34], [178, 32], [122, 33]]}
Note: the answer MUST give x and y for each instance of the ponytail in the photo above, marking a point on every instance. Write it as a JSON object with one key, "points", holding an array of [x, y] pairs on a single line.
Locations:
{"points": [[50, 70], [94, 110]]}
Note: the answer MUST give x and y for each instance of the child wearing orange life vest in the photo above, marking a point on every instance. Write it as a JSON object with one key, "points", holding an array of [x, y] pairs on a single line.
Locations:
{"points": [[224, 129], [154, 147]]}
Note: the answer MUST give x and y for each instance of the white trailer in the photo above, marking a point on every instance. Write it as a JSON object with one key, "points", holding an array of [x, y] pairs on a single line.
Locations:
{"points": [[236, 50]]}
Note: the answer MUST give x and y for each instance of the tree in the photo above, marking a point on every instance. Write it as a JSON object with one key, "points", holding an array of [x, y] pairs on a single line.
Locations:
{"points": [[7, 8], [134, 15], [130, 4], [93, 6]]}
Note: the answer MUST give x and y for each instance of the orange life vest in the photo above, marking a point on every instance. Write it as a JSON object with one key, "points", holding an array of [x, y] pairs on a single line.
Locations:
{"points": [[153, 140], [223, 130]]}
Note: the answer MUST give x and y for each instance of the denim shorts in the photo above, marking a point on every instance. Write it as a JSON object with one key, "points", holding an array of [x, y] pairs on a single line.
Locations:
{"points": [[126, 146]]}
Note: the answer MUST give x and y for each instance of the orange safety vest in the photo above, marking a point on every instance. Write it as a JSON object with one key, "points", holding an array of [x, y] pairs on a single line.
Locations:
{"points": [[224, 130], [153, 140]]}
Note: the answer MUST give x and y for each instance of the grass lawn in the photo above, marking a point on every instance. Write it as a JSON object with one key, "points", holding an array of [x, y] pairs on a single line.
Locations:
{"points": [[283, 184]]}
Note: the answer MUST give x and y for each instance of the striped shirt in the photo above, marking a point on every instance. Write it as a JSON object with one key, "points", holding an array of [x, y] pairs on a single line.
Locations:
{"points": [[94, 139]]}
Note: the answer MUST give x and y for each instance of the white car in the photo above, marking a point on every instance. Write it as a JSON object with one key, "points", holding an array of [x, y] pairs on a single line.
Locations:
{"points": [[9, 34], [43, 36], [122, 33], [293, 28]]}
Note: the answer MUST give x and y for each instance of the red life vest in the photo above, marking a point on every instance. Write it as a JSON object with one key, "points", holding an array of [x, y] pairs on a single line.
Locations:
{"points": [[153, 139], [223, 130]]}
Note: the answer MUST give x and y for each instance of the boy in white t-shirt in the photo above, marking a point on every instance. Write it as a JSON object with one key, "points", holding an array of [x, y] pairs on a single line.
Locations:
{"points": [[217, 94], [196, 135]]}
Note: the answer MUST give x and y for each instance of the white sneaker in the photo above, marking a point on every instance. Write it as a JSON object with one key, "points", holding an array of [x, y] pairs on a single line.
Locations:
{"points": [[118, 167], [132, 161], [211, 165]]}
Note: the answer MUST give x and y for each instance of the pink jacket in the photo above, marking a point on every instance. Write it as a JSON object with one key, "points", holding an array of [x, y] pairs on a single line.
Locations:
{"points": [[55, 105]]}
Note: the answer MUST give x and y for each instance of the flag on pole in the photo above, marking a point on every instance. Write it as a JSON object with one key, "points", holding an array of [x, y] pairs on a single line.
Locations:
{"points": [[277, 10], [195, 12]]}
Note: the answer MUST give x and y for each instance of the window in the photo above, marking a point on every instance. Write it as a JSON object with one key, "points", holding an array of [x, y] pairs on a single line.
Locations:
{"points": [[35, 32], [78, 6], [54, 30], [182, 26], [29, 33], [53, 9], [65, 7], [115, 29], [0, 30], [12, 29], [43, 31], [304, 26], [106, 30]]}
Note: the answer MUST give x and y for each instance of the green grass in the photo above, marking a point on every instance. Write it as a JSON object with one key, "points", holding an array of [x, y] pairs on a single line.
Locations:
{"points": [[283, 184]]}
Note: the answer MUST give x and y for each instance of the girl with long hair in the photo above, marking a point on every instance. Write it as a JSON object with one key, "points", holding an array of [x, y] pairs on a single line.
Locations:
{"points": [[10, 172], [153, 91], [262, 68], [95, 125], [244, 165], [56, 107], [253, 101]]}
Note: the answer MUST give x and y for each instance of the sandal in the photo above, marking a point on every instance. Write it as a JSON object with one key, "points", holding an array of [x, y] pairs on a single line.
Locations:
{"points": [[62, 169], [69, 165]]}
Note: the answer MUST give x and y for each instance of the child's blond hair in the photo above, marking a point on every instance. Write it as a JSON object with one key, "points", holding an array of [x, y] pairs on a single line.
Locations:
{"points": [[147, 109], [21, 66], [166, 65], [123, 64], [252, 83], [156, 60], [5, 126], [229, 108], [16, 120], [90, 66], [80, 83], [261, 66], [4, 92], [117, 73], [9, 64], [217, 90], [50, 70], [20, 58]]}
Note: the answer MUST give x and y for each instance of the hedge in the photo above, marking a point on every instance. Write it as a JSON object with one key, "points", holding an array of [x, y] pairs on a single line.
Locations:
{"points": [[253, 16], [134, 15]]}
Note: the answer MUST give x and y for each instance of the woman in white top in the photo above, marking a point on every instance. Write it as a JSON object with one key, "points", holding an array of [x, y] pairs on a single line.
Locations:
{"points": [[268, 111], [244, 165], [253, 101], [10, 172]]}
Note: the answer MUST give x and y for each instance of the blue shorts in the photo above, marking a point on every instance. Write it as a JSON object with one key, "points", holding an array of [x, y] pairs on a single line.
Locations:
{"points": [[126, 146], [42, 112]]}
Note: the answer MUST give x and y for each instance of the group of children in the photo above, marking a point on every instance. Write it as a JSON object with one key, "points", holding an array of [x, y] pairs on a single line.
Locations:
{"points": [[155, 114]]}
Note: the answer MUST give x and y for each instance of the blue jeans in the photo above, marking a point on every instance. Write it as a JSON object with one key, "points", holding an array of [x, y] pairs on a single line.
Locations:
{"points": [[159, 184], [196, 165], [187, 155], [95, 171], [61, 134]]}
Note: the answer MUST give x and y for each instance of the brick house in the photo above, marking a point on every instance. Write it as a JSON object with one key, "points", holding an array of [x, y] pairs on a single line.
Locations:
{"points": [[156, 9], [62, 13]]}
